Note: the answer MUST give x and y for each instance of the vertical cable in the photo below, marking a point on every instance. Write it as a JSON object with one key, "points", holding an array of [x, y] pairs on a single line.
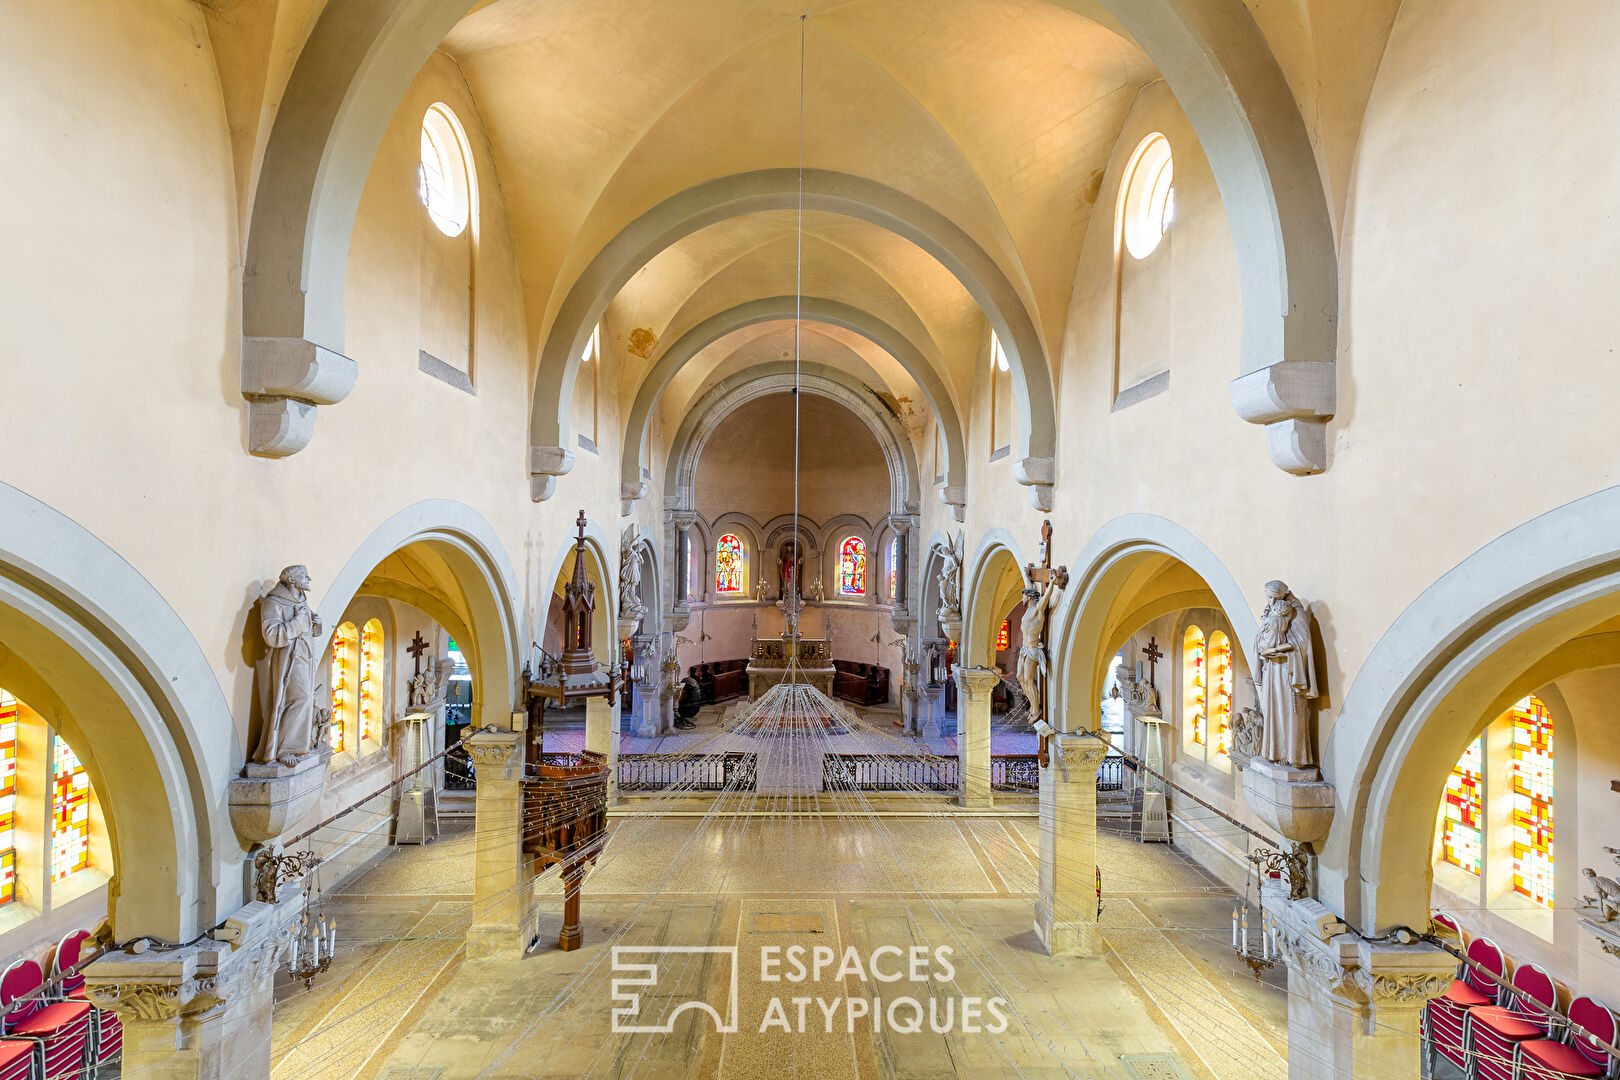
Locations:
{"points": [[798, 311]]}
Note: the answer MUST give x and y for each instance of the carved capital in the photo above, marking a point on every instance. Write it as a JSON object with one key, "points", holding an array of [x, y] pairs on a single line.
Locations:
{"points": [[1081, 753], [493, 749], [972, 681], [1317, 947]]}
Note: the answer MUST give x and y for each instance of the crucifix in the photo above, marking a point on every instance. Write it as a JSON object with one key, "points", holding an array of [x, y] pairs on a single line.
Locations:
{"points": [[416, 648], [1154, 655], [1045, 582]]}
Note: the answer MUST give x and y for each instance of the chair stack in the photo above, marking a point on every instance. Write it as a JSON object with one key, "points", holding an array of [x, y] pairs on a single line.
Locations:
{"points": [[106, 1030], [59, 1031]]}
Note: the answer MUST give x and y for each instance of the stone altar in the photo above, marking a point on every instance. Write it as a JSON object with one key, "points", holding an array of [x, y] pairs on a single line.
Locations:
{"points": [[768, 664]]}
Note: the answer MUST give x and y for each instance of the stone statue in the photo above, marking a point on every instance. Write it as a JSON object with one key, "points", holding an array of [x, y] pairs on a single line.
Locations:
{"points": [[1032, 650], [1607, 900], [1247, 726], [950, 576], [630, 605], [1285, 678], [428, 687], [287, 688]]}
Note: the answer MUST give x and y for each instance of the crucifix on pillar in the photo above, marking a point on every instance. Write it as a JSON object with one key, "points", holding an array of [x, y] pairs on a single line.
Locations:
{"points": [[1032, 663], [1154, 655], [416, 648]]}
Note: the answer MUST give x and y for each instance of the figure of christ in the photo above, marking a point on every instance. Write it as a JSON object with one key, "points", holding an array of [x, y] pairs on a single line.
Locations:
{"points": [[1032, 651]]}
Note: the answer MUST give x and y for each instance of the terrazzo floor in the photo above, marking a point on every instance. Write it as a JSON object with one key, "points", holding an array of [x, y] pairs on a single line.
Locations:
{"points": [[1167, 1002]]}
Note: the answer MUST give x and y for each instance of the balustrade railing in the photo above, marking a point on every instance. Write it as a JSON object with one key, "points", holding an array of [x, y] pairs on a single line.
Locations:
{"points": [[731, 771], [1015, 772], [881, 772], [1111, 773]]}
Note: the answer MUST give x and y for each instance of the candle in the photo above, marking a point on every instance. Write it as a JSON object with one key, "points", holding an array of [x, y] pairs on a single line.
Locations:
{"points": [[1245, 929], [331, 939], [1234, 926]]}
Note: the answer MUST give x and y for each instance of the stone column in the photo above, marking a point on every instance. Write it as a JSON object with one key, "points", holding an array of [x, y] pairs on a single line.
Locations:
{"points": [[201, 1011], [504, 918], [602, 736], [682, 520], [1066, 906], [647, 705], [935, 698], [973, 687], [1353, 1004]]}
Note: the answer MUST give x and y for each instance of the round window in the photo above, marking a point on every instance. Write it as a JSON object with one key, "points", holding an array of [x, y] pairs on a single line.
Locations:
{"points": [[444, 182], [1150, 197]]}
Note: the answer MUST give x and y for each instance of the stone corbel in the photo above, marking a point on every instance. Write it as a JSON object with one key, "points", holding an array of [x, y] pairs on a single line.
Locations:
{"points": [[1296, 802], [1294, 399], [284, 379], [546, 463], [628, 496], [1038, 474], [1315, 944], [955, 499]]}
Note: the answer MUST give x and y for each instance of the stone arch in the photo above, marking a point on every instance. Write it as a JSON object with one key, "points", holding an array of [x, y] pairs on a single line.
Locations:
{"points": [[1499, 623], [602, 570], [487, 611], [731, 394], [88, 643], [815, 309], [748, 530], [359, 60], [991, 580], [1108, 582]]}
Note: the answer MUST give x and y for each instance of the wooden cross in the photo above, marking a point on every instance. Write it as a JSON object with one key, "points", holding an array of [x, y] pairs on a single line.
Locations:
{"points": [[1154, 655], [416, 648], [1045, 573]]}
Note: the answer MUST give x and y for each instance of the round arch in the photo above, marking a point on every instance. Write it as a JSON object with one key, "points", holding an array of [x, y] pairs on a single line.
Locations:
{"points": [[1501, 622], [88, 643], [770, 309], [990, 578], [1114, 563], [359, 60], [726, 397], [487, 610], [602, 571]]}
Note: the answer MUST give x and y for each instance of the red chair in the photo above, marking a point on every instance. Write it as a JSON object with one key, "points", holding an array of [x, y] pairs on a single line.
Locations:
{"points": [[1578, 1054], [1491, 1032], [60, 1032], [1444, 1017], [106, 1030], [16, 1059]]}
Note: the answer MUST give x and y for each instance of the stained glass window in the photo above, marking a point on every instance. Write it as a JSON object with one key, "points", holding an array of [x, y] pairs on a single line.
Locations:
{"points": [[372, 681], [1004, 635], [1194, 700], [852, 567], [894, 565], [1533, 800], [8, 798], [70, 812], [728, 564], [1220, 691], [1461, 836], [345, 688]]}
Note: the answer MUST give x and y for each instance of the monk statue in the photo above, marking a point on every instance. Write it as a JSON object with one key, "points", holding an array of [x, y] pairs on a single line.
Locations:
{"points": [[1032, 650], [1285, 678], [287, 689]]}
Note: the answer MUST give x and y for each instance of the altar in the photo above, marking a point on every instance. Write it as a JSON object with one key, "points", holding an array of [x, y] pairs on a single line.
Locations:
{"points": [[768, 664]]}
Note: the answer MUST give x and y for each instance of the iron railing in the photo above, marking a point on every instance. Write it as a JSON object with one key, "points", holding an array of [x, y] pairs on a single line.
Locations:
{"points": [[1111, 773], [1015, 772], [734, 770], [881, 772]]}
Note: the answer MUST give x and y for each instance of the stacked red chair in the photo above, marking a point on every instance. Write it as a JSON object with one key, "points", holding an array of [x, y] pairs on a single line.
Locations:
{"points": [[60, 1032], [16, 1059], [1492, 1032], [106, 1030], [1579, 1053], [1444, 1018]]}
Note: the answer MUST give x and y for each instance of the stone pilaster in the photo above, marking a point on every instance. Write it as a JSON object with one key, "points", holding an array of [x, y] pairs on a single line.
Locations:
{"points": [[1066, 906], [504, 919], [973, 687], [200, 1012], [1353, 1004], [602, 736]]}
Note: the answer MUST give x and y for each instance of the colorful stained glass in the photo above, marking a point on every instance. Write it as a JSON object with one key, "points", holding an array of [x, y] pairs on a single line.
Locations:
{"points": [[372, 681], [1461, 836], [345, 677], [1220, 691], [852, 567], [1533, 800], [8, 798], [894, 565], [1194, 700], [728, 565], [70, 812], [1004, 635]]}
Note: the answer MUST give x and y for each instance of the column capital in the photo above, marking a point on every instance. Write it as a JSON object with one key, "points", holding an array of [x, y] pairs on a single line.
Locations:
{"points": [[1318, 947], [495, 749], [683, 519], [976, 680], [1079, 751]]}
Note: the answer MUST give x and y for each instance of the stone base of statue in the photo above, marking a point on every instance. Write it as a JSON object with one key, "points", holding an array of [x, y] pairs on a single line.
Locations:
{"points": [[267, 800], [1296, 802]]}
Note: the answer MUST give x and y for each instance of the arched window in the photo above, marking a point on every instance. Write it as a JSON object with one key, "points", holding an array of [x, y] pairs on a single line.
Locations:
{"points": [[70, 812], [1219, 675], [1194, 699], [1004, 635], [894, 566], [8, 798], [852, 567], [444, 184], [345, 686], [1462, 834], [1148, 202], [373, 681], [1533, 800], [728, 565]]}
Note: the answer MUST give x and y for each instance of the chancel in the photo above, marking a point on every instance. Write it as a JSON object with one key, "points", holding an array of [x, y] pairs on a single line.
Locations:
{"points": [[637, 540]]}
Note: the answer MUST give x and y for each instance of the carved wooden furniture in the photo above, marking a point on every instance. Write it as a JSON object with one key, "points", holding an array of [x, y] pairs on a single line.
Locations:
{"points": [[721, 680], [565, 802], [863, 684]]}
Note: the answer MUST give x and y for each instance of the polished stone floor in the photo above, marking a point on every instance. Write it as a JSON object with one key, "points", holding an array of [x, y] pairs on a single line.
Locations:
{"points": [[1167, 1001]]}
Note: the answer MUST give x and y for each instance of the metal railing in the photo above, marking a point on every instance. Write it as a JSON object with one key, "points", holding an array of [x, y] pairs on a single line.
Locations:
{"points": [[1015, 772], [882, 772], [734, 770], [1111, 773]]}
